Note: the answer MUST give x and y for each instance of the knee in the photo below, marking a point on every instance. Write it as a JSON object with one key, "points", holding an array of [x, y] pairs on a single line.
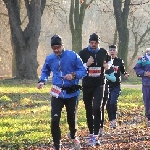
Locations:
{"points": [[55, 121]]}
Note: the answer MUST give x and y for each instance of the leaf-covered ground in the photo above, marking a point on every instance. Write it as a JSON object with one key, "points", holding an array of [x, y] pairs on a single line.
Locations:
{"points": [[130, 134], [25, 121], [121, 138]]}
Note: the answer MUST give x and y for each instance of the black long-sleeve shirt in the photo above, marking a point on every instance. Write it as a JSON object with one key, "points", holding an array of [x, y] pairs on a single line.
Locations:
{"points": [[118, 66], [95, 72]]}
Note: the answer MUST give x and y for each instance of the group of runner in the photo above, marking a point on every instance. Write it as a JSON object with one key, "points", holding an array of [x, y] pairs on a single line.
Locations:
{"points": [[100, 71]]}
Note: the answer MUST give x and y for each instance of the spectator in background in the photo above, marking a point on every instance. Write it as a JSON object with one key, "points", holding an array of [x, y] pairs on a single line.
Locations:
{"points": [[67, 68], [142, 69]]}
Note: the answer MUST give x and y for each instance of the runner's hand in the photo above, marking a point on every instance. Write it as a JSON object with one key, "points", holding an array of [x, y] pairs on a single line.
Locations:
{"points": [[147, 73], [68, 77], [105, 65], [90, 61], [126, 75], [40, 85]]}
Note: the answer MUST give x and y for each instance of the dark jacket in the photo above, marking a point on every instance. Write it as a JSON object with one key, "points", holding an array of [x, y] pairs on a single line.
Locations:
{"points": [[118, 66], [95, 72]]}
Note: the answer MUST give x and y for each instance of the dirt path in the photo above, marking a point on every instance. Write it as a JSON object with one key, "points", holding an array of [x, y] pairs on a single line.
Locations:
{"points": [[138, 86]]}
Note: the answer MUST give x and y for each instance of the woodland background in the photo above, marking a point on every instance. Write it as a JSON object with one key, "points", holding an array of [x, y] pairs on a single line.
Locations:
{"points": [[26, 27]]}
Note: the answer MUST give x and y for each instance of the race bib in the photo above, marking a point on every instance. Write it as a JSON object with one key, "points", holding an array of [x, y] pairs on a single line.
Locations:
{"points": [[94, 71], [115, 68], [55, 91]]}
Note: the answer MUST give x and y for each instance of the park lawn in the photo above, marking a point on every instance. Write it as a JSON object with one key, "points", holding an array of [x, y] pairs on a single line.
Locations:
{"points": [[25, 113], [132, 80]]}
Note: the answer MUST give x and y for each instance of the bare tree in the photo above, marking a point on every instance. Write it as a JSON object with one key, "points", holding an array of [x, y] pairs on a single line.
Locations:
{"points": [[121, 15], [122, 19], [141, 39], [25, 42], [139, 27], [76, 18]]}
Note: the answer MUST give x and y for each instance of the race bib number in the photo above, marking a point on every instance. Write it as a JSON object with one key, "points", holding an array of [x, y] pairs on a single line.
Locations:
{"points": [[115, 68], [94, 71], [55, 91]]}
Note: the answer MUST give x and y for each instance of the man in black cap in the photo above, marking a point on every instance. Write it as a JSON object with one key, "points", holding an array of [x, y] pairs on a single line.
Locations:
{"points": [[96, 60], [67, 68]]}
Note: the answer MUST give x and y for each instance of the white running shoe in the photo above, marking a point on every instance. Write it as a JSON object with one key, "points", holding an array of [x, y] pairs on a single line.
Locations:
{"points": [[75, 142], [148, 123], [113, 124], [90, 140], [93, 140], [101, 132], [96, 141]]}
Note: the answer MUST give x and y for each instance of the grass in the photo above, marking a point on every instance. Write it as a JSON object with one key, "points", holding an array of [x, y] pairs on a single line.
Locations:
{"points": [[25, 113], [132, 80]]}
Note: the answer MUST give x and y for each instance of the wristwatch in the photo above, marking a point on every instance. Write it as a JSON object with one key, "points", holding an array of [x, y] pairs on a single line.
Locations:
{"points": [[73, 75]]}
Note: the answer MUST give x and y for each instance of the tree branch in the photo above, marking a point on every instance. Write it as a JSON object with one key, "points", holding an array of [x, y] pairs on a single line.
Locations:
{"points": [[23, 19], [140, 3]]}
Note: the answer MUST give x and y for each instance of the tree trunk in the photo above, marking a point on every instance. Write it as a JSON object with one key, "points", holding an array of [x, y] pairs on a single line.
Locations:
{"points": [[25, 43], [121, 24], [76, 18], [115, 37], [26, 59], [77, 40]]}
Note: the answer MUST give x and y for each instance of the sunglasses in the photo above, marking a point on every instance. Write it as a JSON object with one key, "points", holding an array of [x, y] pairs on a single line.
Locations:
{"points": [[56, 47]]}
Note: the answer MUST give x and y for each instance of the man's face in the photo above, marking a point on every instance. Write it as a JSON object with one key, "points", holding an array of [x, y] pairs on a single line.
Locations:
{"points": [[113, 52], [57, 49], [93, 45]]}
